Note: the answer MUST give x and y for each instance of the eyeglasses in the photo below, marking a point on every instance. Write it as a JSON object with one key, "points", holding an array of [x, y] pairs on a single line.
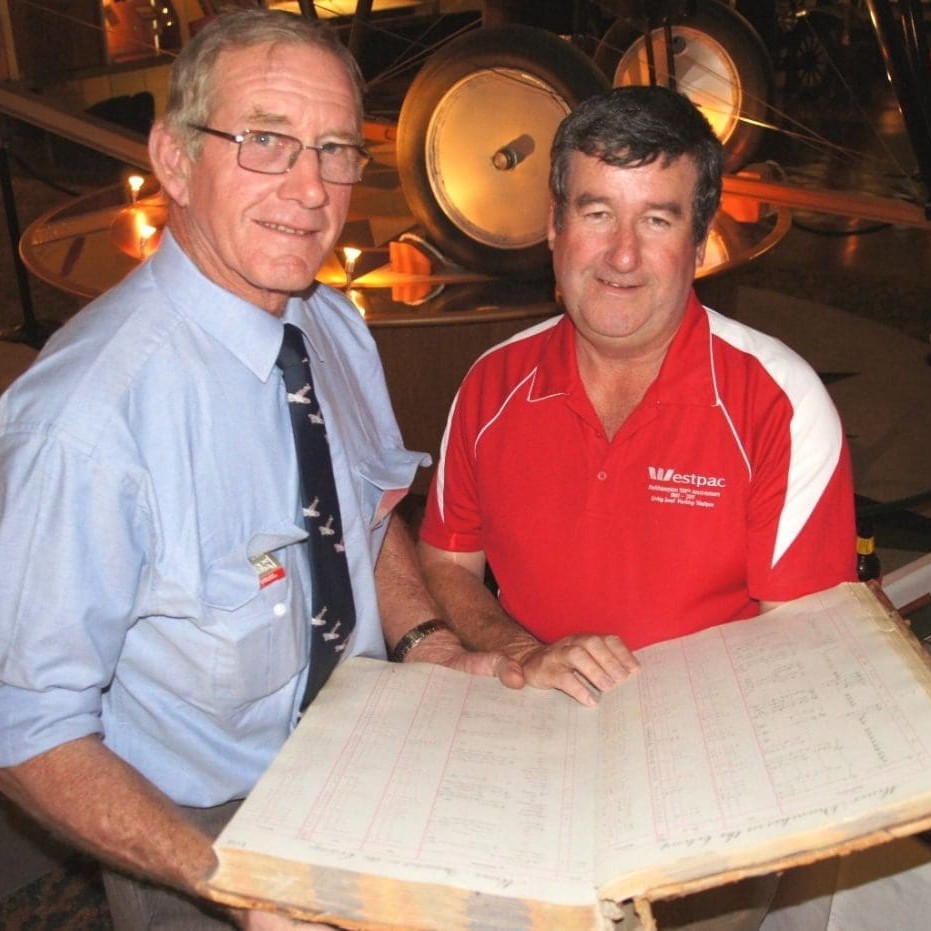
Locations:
{"points": [[271, 153]]}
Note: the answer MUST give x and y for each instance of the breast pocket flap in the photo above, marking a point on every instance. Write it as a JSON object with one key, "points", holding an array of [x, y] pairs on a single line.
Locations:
{"points": [[234, 579]]}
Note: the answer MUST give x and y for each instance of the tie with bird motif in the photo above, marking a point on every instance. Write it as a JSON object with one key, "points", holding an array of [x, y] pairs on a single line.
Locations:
{"points": [[333, 612]]}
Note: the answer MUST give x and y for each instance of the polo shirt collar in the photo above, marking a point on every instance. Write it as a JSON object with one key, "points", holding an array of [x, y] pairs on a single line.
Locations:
{"points": [[686, 375], [250, 334], [557, 370], [684, 378]]}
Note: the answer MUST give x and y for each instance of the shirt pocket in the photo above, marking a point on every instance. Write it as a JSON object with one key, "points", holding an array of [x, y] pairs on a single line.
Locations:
{"points": [[384, 479], [253, 637]]}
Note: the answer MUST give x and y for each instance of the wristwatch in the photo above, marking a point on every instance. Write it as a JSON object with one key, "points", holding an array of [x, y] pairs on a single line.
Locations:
{"points": [[414, 636]]}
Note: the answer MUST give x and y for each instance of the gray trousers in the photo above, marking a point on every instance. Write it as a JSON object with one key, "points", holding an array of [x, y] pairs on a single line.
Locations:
{"points": [[136, 905]]}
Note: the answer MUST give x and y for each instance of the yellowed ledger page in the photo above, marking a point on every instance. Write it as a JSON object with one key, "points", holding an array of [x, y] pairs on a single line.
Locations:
{"points": [[746, 743], [434, 777]]}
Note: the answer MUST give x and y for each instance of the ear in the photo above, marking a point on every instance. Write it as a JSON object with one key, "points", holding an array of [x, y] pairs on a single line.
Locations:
{"points": [[700, 252], [170, 162], [551, 224]]}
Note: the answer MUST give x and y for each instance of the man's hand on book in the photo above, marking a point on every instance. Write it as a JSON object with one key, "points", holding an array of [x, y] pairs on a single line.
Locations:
{"points": [[581, 665], [445, 649]]}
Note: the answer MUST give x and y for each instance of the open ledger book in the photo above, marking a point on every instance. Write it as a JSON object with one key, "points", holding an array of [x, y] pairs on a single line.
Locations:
{"points": [[416, 797]]}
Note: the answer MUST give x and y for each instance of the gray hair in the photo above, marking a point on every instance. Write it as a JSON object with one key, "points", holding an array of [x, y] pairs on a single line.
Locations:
{"points": [[191, 93], [634, 126]]}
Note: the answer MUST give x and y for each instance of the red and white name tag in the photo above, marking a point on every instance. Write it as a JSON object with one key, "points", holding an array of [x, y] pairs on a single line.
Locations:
{"points": [[267, 568]]}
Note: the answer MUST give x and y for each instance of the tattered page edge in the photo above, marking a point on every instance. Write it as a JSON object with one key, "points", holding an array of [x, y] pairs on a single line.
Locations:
{"points": [[780, 864], [920, 651], [464, 909]]}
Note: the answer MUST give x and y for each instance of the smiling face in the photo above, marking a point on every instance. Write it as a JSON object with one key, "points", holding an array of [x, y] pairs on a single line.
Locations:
{"points": [[624, 254], [262, 237]]}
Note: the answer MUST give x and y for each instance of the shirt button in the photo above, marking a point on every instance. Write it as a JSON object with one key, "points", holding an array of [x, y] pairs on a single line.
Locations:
{"points": [[280, 609], [602, 476]]}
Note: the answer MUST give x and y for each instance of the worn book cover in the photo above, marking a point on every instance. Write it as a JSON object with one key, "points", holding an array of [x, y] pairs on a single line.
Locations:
{"points": [[411, 796]]}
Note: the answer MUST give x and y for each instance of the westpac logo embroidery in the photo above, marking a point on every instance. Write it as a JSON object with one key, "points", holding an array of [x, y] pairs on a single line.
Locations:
{"points": [[662, 474]]}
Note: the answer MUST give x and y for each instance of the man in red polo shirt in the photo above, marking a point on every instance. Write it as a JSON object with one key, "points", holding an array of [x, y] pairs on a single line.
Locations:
{"points": [[641, 467]]}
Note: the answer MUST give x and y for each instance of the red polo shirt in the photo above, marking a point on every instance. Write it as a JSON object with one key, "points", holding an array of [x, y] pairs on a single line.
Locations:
{"points": [[728, 485]]}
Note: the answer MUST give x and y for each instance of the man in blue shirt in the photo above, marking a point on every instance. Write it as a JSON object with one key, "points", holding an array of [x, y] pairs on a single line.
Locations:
{"points": [[156, 594]]}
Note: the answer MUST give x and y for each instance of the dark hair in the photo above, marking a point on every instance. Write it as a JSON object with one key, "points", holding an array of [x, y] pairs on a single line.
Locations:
{"points": [[191, 91], [633, 126]]}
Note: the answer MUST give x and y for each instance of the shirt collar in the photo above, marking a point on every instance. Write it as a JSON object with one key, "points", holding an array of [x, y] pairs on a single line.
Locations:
{"points": [[684, 378], [557, 370], [686, 375], [252, 335]]}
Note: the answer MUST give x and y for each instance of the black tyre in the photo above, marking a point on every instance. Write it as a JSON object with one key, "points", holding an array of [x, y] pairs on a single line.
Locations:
{"points": [[719, 62], [474, 136]]}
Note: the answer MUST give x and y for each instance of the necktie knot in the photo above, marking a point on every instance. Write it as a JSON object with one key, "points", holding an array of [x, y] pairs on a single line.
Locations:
{"points": [[292, 350]]}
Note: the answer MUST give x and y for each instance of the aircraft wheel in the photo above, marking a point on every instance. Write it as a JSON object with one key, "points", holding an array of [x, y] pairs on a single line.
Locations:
{"points": [[719, 62], [474, 135]]}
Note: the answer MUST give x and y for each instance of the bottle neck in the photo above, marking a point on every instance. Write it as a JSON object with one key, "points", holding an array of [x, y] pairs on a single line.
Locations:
{"points": [[866, 545]]}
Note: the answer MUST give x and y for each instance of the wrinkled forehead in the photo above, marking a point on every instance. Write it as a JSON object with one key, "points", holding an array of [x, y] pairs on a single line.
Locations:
{"points": [[622, 165], [282, 77]]}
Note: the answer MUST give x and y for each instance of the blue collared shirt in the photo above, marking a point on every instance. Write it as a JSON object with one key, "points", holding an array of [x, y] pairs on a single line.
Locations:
{"points": [[145, 459]]}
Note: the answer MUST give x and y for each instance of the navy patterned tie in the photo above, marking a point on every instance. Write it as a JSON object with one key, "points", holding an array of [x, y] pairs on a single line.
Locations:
{"points": [[333, 611]]}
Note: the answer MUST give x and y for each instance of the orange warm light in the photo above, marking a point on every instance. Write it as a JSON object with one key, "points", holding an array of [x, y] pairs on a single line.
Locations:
{"points": [[147, 243], [351, 255], [134, 182], [137, 229], [405, 259], [359, 301]]}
